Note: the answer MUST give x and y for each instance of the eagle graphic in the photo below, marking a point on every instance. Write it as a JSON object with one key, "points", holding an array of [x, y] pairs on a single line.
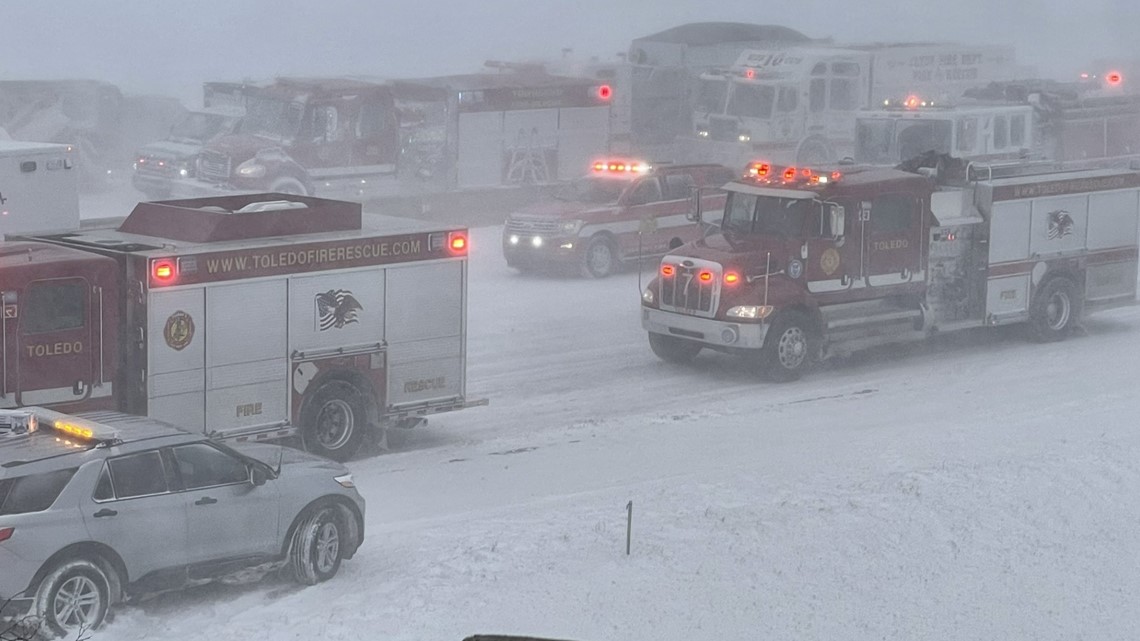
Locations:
{"points": [[336, 308], [1060, 224]]}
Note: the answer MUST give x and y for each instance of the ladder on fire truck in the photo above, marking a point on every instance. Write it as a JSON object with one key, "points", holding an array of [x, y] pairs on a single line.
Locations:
{"points": [[980, 171]]}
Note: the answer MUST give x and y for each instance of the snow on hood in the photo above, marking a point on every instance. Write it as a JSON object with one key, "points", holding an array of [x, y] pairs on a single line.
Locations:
{"points": [[170, 150], [241, 146], [558, 209], [289, 457]]}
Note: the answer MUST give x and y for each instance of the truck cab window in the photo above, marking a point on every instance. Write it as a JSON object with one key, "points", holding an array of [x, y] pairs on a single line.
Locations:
{"points": [[751, 101], [843, 95], [374, 120], [783, 217], [739, 211], [645, 191], [679, 186], [788, 100], [1017, 130], [817, 95], [712, 95], [1001, 132], [892, 213], [967, 133], [54, 306]]}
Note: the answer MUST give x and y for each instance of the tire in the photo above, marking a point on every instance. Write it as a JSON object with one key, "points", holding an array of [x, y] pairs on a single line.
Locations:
{"points": [[814, 151], [74, 597], [288, 185], [334, 420], [787, 349], [600, 258], [1055, 311], [317, 546], [672, 349]]}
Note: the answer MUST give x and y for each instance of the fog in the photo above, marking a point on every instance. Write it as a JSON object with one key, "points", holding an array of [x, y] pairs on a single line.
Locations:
{"points": [[170, 47]]}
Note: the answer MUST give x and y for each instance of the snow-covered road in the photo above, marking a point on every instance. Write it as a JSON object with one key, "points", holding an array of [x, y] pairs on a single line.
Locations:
{"points": [[974, 487]]}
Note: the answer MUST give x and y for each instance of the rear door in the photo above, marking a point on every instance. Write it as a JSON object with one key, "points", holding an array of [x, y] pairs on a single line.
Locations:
{"points": [[57, 341]]}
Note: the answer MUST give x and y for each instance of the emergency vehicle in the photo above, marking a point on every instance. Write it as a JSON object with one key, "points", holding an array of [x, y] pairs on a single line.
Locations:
{"points": [[812, 263], [1006, 121], [621, 211], [798, 104], [247, 317]]}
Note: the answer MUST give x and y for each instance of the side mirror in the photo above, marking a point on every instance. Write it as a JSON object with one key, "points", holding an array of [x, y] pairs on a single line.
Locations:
{"points": [[694, 213], [258, 476], [837, 218]]}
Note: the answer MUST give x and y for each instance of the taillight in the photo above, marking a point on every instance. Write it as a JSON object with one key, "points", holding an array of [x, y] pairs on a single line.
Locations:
{"points": [[668, 270], [705, 276], [163, 271], [6, 533], [457, 241], [731, 278]]}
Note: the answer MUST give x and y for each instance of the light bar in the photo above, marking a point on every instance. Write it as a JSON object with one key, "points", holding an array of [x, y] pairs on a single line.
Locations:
{"points": [[74, 426], [620, 167], [767, 172]]}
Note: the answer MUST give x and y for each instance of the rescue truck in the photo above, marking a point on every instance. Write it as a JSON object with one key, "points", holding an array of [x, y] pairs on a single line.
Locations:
{"points": [[249, 317], [812, 263], [798, 104], [621, 211]]}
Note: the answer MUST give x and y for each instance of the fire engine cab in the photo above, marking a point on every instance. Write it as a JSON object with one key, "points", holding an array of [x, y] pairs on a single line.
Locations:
{"points": [[811, 263], [245, 317], [622, 210]]}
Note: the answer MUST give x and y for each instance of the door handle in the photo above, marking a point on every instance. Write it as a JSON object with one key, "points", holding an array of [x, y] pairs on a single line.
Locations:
{"points": [[105, 512], [205, 500]]}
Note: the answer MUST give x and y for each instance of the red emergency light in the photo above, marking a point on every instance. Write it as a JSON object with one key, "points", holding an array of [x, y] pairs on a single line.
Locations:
{"points": [[163, 271], [667, 270], [457, 241], [620, 167], [750, 73], [1114, 78], [768, 172], [760, 169], [605, 92], [912, 102], [790, 173], [705, 276]]}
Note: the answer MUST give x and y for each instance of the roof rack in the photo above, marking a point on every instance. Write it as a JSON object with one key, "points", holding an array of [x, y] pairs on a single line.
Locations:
{"points": [[978, 171]]}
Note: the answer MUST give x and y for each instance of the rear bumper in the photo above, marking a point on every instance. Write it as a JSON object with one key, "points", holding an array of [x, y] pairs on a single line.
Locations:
{"points": [[707, 331]]}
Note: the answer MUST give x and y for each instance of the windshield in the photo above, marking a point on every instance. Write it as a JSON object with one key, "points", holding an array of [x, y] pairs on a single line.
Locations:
{"points": [[751, 100], [273, 118], [882, 141], [710, 98], [592, 190], [768, 215], [199, 127]]}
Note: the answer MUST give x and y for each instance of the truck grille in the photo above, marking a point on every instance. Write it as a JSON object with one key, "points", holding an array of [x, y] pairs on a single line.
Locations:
{"points": [[213, 166], [684, 292], [525, 226], [721, 128]]}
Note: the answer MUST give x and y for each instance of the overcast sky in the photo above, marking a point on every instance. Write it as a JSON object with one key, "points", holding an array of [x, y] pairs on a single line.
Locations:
{"points": [[171, 46]]}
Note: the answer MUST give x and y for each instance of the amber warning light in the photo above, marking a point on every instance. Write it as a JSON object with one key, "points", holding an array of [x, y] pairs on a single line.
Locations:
{"points": [[163, 271], [457, 241]]}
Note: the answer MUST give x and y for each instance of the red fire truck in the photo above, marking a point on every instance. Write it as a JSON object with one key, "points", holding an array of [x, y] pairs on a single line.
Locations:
{"points": [[812, 263], [247, 317], [624, 209]]}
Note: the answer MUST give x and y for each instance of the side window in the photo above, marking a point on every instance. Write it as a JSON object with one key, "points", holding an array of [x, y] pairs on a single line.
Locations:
{"points": [[1001, 132], [892, 213], [787, 100], [52, 306], [843, 95], [817, 95], [32, 493], [1017, 130], [967, 133], [200, 465], [373, 120], [103, 489], [646, 191], [138, 475], [679, 186]]}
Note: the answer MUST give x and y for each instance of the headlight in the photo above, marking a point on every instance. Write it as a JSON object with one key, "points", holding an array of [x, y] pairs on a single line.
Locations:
{"points": [[571, 226], [751, 312], [648, 296], [251, 169], [703, 133], [744, 137], [513, 239], [345, 481]]}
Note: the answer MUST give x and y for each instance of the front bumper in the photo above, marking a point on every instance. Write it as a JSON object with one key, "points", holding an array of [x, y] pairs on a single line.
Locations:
{"points": [[707, 331], [551, 250], [193, 188]]}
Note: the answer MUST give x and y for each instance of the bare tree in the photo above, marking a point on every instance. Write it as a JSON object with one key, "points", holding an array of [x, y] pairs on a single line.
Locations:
{"points": [[27, 628]]}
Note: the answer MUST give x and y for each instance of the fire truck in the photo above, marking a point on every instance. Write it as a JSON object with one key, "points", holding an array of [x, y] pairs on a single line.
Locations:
{"points": [[811, 263], [249, 317], [798, 104], [1002, 121], [622, 210]]}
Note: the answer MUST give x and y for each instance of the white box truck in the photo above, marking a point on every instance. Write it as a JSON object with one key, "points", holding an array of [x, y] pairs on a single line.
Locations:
{"points": [[39, 189]]}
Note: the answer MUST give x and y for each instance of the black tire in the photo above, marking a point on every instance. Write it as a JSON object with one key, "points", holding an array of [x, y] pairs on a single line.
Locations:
{"points": [[787, 350], [334, 420], [672, 349], [1055, 311], [600, 258], [288, 185], [317, 546], [74, 597]]}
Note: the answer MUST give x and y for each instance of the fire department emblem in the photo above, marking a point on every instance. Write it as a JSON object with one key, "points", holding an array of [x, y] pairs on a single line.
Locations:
{"points": [[179, 330], [1060, 224], [336, 308], [795, 268], [829, 261]]}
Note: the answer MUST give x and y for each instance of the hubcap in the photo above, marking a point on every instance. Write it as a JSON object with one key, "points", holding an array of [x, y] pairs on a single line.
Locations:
{"points": [[335, 424], [76, 603], [1057, 311], [328, 546], [792, 348], [600, 260]]}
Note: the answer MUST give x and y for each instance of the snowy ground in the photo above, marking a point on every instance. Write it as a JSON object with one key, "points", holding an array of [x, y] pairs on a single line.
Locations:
{"points": [[976, 487]]}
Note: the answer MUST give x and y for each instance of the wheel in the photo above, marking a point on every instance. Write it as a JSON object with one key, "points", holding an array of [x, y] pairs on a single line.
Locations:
{"points": [[288, 185], [787, 348], [673, 349], [600, 258], [814, 151], [315, 551], [74, 597], [333, 422], [1055, 311]]}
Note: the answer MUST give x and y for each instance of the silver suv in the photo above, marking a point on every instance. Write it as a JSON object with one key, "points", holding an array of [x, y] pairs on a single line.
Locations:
{"points": [[105, 507]]}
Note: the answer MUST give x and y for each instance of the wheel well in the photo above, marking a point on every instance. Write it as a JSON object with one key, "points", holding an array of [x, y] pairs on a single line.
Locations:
{"points": [[356, 524], [97, 553], [608, 237], [354, 378]]}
